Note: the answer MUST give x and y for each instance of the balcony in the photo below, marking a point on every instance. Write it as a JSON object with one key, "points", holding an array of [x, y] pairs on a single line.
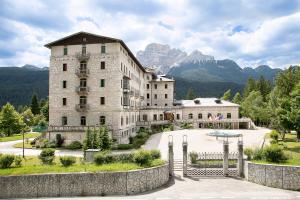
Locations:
{"points": [[82, 90], [82, 73], [82, 56], [82, 107]]}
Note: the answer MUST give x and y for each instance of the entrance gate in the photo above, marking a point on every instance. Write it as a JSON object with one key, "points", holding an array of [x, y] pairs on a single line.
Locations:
{"points": [[207, 164], [211, 164]]}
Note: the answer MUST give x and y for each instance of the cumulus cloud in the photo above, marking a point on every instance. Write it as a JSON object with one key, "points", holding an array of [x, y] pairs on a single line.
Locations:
{"points": [[249, 32]]}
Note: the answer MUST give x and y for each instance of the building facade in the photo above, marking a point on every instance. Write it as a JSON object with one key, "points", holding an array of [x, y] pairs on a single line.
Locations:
{"points": [[96, 80]]}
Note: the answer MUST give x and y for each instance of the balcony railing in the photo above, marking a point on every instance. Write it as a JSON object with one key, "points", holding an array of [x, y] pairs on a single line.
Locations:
{"points": [[82, 56], [82, 90], [75, 128], [82, 73], [82, 107]]}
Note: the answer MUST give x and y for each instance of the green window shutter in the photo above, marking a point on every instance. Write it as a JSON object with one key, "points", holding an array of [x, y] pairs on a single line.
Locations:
{"points": [[65, 51], [103, 50], [102, 83]]}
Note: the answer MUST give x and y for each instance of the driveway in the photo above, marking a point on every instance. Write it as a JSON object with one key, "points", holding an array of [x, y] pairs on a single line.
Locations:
{"points": [[199, 141], [7, 148], [195, 189]]}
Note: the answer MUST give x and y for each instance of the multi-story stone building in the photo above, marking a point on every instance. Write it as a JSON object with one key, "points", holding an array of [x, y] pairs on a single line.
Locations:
{"points": [[96, 80]]}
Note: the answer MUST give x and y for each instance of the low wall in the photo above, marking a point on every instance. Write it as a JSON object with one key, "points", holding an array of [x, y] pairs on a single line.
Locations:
{"points": [[278, 176], [83, 184]]}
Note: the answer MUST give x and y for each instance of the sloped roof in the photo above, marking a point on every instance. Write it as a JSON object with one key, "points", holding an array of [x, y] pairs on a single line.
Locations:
{"points": [[91, 38]]}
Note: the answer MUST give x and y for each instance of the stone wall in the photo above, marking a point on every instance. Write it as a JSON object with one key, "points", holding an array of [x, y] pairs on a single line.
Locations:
{"points": [[83, 184], [278, 176]]}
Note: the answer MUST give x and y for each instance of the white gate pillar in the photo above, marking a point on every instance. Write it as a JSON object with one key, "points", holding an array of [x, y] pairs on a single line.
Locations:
{"points": [[240, 159], [225, 157], [184, 160], [171, 156]]}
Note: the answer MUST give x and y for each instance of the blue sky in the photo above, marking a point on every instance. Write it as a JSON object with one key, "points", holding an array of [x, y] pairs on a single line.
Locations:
{"points": [[251, 32]]}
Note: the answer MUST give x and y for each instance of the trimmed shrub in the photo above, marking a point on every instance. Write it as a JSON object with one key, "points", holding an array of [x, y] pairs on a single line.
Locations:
{"points": [[249, 153], [6, 161], [18, 161], [74, 145], [67, 161], [193, 156], [274, 153], [124, 146], [47, 156], [99, 158], [124, 158], [274, 135], [50, 144], [142, 157], [258, 154], [138, 142], [155, 154]]}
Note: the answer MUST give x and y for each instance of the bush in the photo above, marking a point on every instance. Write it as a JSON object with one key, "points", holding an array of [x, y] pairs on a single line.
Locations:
{"points": [[74, 145], [193, 156], [155, 154], [18, 161], [274, 153], [124, 158], [99, 158], [47, 156], [249, 153], [51, 144], [142, 157], [274, 135], [138, 142], [258, 154], [6, 161], [67, 161], [186, 125], [124, 146]]}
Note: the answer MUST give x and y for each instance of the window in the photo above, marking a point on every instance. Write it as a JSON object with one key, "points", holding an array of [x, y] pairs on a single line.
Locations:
{"points": [[102, 83], [103, 49], [166, 96], [148, 104], [122, 121], [64, 84], [155, 96], [148, 86], [126, 120], [121, 83], [83, 49], [102, 100], [83, 66], [177, 116], [228, 115], [65, 51], [190, 116], [121, 101], [148, 96], [102, 65], [161, 117], [102, 120], [82, 82], [65, 67], [209, 116], [155, 86], [200, 116], [155, 104], [82, 121], [166, 86], [64, 100], [166, 104], [82, 100], [155, 117], [64, 120], [145, 118]]}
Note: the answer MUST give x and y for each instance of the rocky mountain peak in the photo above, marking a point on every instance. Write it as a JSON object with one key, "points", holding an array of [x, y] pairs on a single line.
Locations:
{"points": [[197, 56]]}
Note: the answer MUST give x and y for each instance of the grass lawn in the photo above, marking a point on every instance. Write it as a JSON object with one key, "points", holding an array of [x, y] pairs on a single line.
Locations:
{"points": [[291, 148], [32, 165], [20, 145], [19, 137]]}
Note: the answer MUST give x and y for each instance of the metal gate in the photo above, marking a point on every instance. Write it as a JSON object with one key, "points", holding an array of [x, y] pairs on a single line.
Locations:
{"points": [[211, 164]]}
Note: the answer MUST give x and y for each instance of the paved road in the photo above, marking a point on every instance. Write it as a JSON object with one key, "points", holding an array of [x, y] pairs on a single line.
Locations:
{"points": [[7, 148], [222, 188], [199, 141]]}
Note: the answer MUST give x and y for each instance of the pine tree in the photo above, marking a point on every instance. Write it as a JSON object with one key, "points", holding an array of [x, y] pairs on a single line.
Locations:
{"points": [[105, 142], [190, 94], [249, 87], [45, 110], [35, 108], [226, 96], [10, 120], [237, 98]]}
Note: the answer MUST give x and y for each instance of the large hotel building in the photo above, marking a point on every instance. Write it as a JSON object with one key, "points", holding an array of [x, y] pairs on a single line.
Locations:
{"points": [[96, 80]]}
